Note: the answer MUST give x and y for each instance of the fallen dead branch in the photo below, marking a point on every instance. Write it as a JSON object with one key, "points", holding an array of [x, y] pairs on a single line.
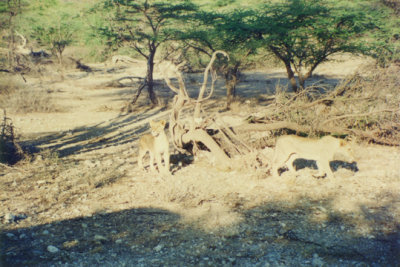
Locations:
{"points": [[370, 136], [196, 130], [360, 115], [362, 106]]}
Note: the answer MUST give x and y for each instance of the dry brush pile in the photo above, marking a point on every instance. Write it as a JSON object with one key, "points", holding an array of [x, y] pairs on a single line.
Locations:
{"points": [[200, 130], [365, 106]]}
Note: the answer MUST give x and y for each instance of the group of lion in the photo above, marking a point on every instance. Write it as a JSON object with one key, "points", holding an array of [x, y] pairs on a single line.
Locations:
{"points": [[287, 149]]}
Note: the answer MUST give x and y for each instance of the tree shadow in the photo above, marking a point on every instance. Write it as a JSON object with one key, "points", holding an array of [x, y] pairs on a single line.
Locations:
{"points": [[91, 239], [123, 129], [254, 84], [270, 234]]}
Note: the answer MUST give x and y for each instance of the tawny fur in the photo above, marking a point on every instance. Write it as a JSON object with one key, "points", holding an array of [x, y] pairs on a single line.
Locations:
{"points": [[289, 148], [157, 144]]}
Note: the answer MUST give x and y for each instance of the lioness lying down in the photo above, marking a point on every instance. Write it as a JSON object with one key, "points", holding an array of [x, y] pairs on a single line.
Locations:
{"points": [[291, 147]]}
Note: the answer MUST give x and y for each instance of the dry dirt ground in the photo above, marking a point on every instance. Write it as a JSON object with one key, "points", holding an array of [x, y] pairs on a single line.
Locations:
{"points": [[80, 200]]}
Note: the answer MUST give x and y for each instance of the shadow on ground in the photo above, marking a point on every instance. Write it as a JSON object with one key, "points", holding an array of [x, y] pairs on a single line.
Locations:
{"points": [[268, 235], [253, 84], [118, 131]]}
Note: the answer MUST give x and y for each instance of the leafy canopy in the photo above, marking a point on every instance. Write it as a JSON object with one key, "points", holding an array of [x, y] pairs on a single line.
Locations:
{"points": [[233, 32], [144, 25], [304, 33]]}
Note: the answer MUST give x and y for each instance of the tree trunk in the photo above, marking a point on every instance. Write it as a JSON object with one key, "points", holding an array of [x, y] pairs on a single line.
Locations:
{"points": [[60, 59], [307, 76], [231, 80], [303, 78], [149, 78], [11, 44], [291, 77], [290, 73], [302, 82], [60, 63]]}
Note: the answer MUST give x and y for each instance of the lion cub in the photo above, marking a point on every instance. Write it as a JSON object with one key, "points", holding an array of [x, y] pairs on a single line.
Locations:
{"points": [[156, 144], [290, 147]]}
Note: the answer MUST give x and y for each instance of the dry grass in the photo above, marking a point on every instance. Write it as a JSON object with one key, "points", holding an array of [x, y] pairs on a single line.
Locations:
{"points": [[22, 100], [9, 84]]}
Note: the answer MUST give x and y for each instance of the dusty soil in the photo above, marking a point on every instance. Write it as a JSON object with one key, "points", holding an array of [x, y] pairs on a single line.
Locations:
{"points": [[80, 200]]}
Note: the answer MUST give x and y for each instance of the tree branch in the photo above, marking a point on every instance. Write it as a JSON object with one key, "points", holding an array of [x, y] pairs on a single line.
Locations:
{"points": [[205, 79]]}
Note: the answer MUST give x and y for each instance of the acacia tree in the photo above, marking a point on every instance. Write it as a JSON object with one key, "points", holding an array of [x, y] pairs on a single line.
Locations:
{"points": [[304, 33], [234, 32], [56, 35], [144, 26], [9, 10]]}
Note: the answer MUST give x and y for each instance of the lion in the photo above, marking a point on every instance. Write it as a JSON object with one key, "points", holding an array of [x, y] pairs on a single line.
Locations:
{"points": [[291, 147], [157, 144]]}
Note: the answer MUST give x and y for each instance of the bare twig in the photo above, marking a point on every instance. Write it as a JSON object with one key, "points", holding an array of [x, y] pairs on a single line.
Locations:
{"points": [[139, 91], [205, 79], [194, 132], [360, 115]]}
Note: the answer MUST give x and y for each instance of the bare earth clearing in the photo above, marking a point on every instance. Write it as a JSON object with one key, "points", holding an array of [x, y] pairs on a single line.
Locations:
{"points": [[89, 205]]}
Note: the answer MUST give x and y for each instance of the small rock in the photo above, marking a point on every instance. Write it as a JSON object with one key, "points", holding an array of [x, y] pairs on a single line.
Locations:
{"points": [[99, 238], [45, 232], [37, 252], [41, 182], [22, 236], [10, 235], [52, 249], [118, 241], [9, 218], [317, 261], [158, 248]]}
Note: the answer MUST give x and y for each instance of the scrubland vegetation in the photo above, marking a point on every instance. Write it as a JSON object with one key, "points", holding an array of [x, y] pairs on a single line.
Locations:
{"points": [[80, 80]]}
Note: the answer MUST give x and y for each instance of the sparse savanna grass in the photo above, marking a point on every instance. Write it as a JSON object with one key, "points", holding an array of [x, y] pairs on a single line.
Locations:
{"points": [[16, 97]]}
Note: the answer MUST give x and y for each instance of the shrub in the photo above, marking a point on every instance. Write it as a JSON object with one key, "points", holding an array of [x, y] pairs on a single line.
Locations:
{"points": [[10, 151]]}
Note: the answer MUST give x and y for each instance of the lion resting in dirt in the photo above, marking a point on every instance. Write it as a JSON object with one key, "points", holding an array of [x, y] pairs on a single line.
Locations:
{"points": [[290, 147]]}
